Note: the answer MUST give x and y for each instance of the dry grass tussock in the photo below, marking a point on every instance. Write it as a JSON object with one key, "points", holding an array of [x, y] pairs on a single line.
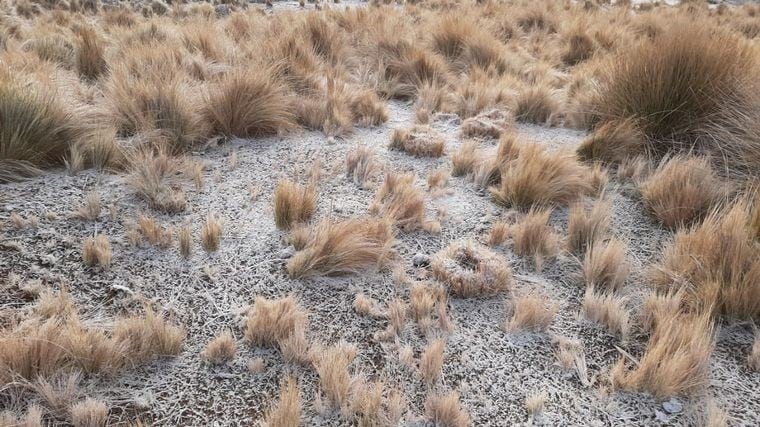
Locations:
{"points": [[682, 190], [431, 361], [90, 207], [446, 410], [157, 177], [753, 360], [158, 108], [691, 88], [97, 251], [271, 322], [361, 165], [154, 232], [293, 203], [537, 178], [716, 261], [37, 129], [534, 404], [608, 310], [89, 413], [586, 227], [604, 265], [535, 105], [532, 312], [221, 349], [399, 200], [463, 160], [54, 340], [211, 233], [676, 360], [249, 103], [491, 124], [613, 141], [32, 417], [90, 60], [287, 411], [420, 141], [343, 247], [485, 166], [470, 270], [335, 380], [534, 237], [499, 233], [185, 237]]}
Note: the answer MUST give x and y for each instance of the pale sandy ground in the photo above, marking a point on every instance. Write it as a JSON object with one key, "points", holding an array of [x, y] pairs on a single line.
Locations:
{"points": [[493, 370]]}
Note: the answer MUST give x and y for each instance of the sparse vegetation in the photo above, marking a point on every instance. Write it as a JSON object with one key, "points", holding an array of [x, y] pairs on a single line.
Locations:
{"points": [[469, 270]]}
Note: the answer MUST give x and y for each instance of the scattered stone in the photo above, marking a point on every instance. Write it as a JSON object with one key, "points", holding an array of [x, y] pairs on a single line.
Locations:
{"points": [[286, 253], [420, 260], [661, 416], [672, 406]]}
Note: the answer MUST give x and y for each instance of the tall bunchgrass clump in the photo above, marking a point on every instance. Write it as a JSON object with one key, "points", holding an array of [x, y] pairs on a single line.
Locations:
{"points": [[693, 87], [160, 108], [35, 129], [541, 178], [90, 55], [717, 262], [249, 103]]}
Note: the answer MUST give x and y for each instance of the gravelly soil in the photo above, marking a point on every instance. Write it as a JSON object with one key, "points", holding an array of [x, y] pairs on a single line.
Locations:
{"points": [[493, 370]]}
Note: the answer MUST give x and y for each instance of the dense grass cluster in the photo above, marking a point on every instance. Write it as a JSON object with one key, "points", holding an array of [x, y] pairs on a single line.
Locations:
{"points": [[176, 75]]}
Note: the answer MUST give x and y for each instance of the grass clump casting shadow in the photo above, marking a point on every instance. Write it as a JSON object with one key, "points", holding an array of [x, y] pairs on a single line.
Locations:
{"points": [[691, 88]]}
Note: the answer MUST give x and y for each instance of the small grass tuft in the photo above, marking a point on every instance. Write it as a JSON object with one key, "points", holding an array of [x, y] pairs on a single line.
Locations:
{"points": [[682, 190], [345, 247], [97, 251], [221, 349], [293, 203], [532, 312]]}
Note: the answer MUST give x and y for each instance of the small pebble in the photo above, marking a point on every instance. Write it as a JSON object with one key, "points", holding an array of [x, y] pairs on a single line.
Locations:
{"points": [[420, 260], [672, 406]]}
